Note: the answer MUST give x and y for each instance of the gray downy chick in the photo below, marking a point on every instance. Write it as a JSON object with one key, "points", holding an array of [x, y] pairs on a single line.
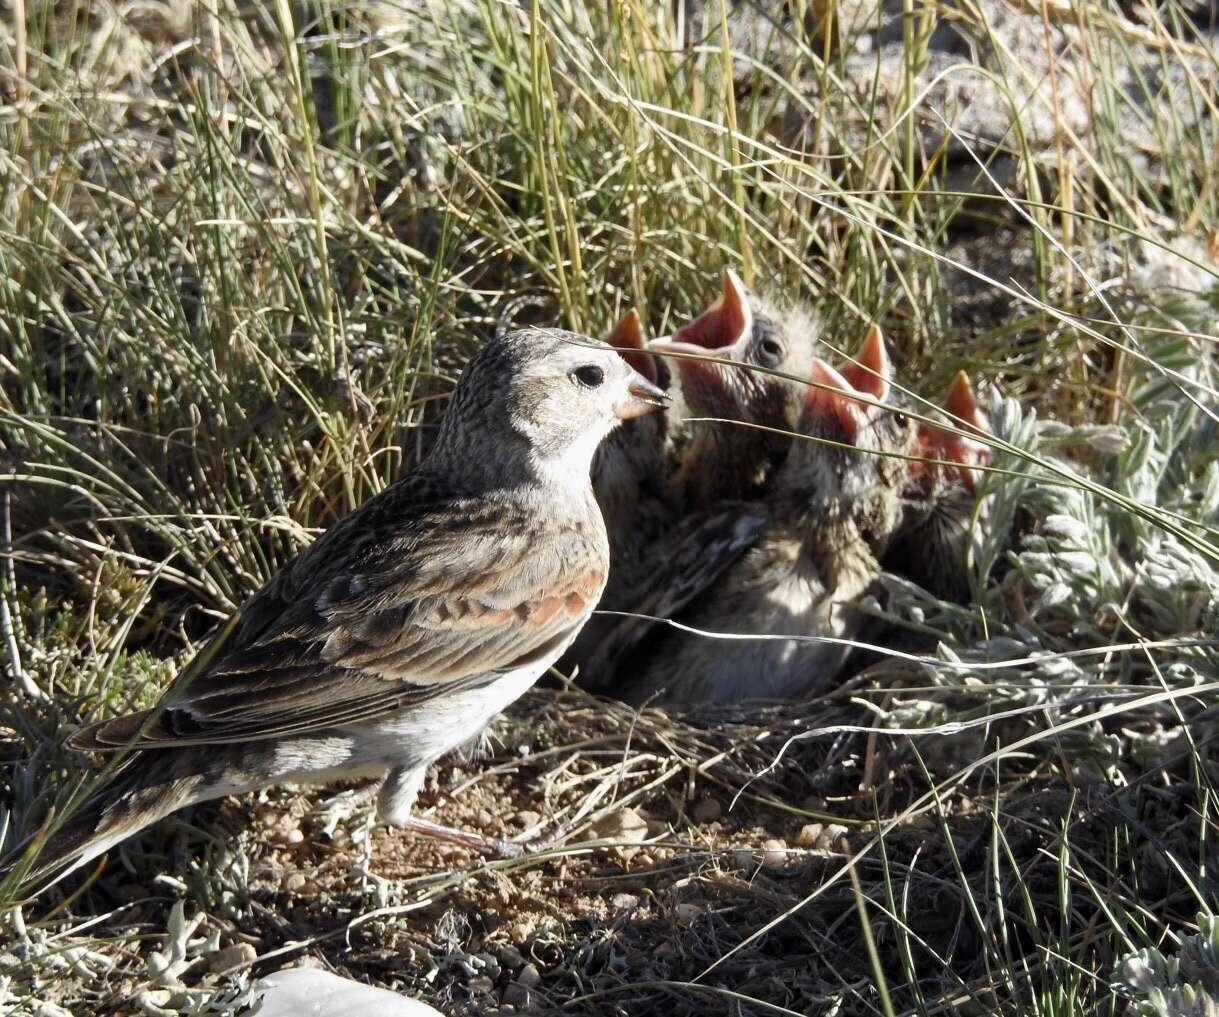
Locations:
{"points": [[835, 505], [723, 460]]}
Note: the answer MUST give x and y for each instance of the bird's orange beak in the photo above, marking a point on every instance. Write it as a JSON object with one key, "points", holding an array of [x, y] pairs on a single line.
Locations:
{"points": [[871, 370], [721, 331], [643, 396], [832, 398], [840, 395], [963, 405], [964, 412], [627, 338]]}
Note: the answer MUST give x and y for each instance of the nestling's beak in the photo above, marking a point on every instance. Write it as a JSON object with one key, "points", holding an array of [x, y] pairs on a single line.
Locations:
{"points": [[964, 413], [643, 397], [627, 338], [832, 397], [962, 405], [872, 370], [722, 331]]}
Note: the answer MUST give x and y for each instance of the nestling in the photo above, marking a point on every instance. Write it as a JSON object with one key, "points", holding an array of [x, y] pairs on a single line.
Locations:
{"points": [[724, 460], [939, 499], [629, 481], [834, 506], [407, 626], [629, 468]]}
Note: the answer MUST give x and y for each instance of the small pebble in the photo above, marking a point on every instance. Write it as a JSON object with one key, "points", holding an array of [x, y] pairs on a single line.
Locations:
{"points": [[827, 840], [516, 995], [742, 858], [488, 963], [231, 957], [624, 901], [481, 983], [807, 837], [530, 977], [294, 882], [294, 836], [706, 810], [626, 827], [527, 818], [521, 932], [510, 957], [685, 913], [774, 854]]}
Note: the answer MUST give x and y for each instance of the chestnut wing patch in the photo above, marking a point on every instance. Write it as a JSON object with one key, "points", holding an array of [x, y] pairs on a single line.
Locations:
{"points": [[322, 672]]}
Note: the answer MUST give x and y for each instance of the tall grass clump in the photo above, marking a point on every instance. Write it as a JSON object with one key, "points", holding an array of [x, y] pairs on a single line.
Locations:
{"points": [[245, 249]]}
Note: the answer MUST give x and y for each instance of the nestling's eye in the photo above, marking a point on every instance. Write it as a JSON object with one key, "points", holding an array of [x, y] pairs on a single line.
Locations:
{"points": [[771, 352], [589, 375]]}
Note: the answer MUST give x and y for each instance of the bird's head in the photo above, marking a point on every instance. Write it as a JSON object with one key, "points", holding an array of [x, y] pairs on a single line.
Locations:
{"points": [[544, 399], [963, 449], [859, 439], [743, 330]]}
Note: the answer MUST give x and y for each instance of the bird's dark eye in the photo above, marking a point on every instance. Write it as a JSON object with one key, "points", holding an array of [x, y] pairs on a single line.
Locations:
{"points": [[901, 419], [589, 375], [770, 352]]}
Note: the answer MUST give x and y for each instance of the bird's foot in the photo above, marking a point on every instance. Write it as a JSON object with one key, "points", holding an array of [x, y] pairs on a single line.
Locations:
{"points": [[494, 847], [370, 883], [342, 806]]}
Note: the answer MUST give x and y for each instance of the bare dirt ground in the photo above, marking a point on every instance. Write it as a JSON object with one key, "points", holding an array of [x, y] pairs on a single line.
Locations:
{"points": [[694, 881]]}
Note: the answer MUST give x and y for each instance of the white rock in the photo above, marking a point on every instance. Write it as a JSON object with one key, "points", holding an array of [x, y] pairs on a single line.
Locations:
{"points": [[308, 992]]}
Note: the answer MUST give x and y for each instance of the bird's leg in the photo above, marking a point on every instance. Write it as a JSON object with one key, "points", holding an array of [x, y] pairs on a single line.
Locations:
{"points": [[343, 806], [479, 843], [380, 885], [494, 846], [398, 795]]}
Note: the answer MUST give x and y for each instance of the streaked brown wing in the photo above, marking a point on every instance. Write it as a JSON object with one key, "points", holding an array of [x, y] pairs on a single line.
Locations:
{"points": [[697, 553], [396, 604]]}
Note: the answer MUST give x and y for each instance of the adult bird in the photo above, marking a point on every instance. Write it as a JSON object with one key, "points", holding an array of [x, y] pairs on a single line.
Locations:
{"points": [[409, 624]]}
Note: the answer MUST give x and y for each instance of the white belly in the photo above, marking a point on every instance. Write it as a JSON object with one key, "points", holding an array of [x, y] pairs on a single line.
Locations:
{"points": [[421, 735], [409, 741]]}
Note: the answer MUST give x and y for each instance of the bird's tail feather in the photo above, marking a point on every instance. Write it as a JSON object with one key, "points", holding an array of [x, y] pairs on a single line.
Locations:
{"points": [[146, 788]]}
